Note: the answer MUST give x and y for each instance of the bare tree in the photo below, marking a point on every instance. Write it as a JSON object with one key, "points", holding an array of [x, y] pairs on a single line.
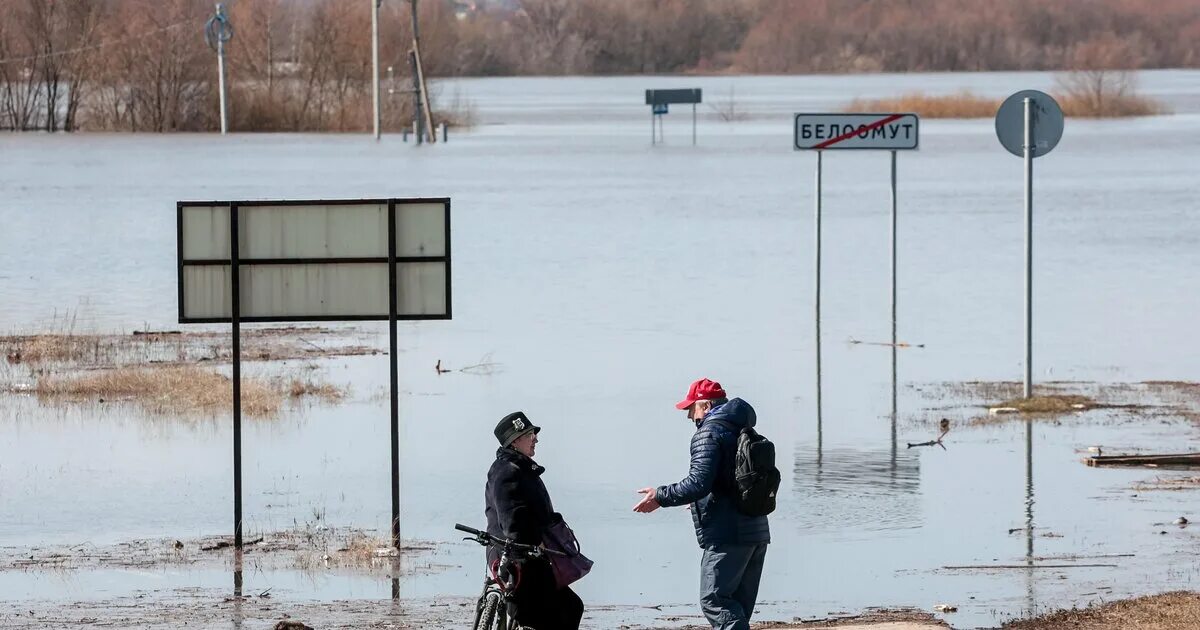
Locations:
{"points": [[253, 53], [19, 69], [84, 19], [163, 76]]}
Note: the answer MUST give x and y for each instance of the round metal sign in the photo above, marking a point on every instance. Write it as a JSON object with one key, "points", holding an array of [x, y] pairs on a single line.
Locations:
{"points": [[1047, 120]]}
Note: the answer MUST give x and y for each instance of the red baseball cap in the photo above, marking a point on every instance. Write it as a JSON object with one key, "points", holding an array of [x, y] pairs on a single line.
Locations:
{"points": [[702, 389]]}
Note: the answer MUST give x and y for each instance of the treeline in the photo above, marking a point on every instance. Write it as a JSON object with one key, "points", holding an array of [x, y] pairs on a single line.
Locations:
{"points": [[821, 36], [143, 65]]}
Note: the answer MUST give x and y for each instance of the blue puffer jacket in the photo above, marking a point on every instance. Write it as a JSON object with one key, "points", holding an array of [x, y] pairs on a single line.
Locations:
{"points": [[709, 485]]}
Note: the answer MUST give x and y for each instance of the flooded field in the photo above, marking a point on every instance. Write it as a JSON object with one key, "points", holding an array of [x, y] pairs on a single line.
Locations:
{"points": [[594, 278]]}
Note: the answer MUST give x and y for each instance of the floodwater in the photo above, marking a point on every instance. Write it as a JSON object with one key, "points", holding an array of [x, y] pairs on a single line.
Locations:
{"points": [[601, 275]]}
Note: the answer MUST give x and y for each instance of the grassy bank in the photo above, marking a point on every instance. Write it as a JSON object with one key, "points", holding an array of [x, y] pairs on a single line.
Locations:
{"points": [[1168, 611], [179, 389], [964, 104]]}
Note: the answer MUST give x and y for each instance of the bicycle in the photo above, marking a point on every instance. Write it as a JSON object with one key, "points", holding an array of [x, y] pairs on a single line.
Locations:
{"points": [[492, 608]]}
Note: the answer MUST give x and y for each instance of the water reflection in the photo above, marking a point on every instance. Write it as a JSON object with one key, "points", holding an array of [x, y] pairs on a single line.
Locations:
{"points": [[1029, 581], [238, 615], [395, 570], [874, 489], [894, 406]]}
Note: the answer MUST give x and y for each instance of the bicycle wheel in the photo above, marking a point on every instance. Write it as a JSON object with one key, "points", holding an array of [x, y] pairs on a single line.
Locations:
{"points": [[486, 617]]}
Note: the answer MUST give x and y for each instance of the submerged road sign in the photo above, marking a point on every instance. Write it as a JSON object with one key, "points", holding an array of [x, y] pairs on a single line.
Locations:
{"points": [[818, 132], [1029, 124], [659, 100], [665, 97], [834, 131]]}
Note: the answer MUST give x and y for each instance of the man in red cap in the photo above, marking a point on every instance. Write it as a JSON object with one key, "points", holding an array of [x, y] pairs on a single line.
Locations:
{"points": [[734, 544]]}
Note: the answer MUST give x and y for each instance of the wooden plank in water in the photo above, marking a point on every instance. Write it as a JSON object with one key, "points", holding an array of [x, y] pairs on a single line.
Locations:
{"points": [[1181, 460], [978, 567]]}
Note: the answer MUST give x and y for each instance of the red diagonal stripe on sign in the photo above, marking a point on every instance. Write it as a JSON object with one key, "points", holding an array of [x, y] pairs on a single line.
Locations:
{"points": [[874, 125]]}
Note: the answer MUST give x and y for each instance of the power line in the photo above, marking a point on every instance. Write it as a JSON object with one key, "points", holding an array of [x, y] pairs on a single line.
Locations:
{"points": [[92, 47]]}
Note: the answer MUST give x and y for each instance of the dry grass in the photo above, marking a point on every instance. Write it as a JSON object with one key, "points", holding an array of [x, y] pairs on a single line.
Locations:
{"points": [[327, 392], [1108, 403], [964, 104], [1117, 106], [165, 389], [161, 371], [1079, 98], [908, 617], [316, 547], [67, 348], [1169, 611], [1050, 404], [977, 390], [181, 389], [37, 349], [58, 343]]}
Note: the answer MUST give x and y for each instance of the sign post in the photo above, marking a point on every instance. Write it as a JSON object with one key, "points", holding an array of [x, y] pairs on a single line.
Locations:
{"points": [[658, 100], [1029, 124], [827, 131], [294, 261], [218, 32]]}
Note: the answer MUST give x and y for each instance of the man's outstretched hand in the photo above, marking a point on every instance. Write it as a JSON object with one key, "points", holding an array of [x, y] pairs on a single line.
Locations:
{"points": [[649, 501]]}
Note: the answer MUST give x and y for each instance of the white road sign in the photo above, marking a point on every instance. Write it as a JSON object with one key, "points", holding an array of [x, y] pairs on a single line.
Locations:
{"points": [[887, 132]]}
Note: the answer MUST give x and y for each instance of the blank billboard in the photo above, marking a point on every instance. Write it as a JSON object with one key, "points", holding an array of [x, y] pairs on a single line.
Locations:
{"points": [[314, 260]]}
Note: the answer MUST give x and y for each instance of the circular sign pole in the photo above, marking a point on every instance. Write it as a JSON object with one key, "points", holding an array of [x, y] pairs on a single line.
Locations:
{"points": [[1029, 124], [218, 32], [1028, 148]]}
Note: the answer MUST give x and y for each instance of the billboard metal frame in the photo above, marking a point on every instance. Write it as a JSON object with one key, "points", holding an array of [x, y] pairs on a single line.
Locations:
{"points": [[390, 259], [235, 319]]}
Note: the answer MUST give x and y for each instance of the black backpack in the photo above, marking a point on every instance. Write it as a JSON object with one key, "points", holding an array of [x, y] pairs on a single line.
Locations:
{"points": [[756, 479]]}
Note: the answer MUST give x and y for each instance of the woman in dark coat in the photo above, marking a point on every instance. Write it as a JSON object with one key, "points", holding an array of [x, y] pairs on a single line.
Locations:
{"points": [[519, 508]]}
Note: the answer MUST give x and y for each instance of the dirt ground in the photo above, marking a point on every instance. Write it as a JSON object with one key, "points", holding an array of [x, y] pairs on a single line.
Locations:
{"points": [[305, 547], [1168, 611], [200, 609], [880, 619], [902, 619]]}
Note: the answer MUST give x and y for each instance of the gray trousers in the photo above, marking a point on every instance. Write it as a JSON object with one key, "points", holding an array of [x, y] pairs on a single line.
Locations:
{"points": [[729, 576]]}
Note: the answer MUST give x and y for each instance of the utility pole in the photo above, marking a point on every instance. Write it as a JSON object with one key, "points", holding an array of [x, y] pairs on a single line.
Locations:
{"points": [[417, 119], [375, 61], [414, 61], [217, 32], [423, 111]]}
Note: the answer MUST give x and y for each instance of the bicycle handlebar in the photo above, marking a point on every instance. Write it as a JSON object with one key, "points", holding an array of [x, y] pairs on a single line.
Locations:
{"points": [[470, 530], [485, 538]]}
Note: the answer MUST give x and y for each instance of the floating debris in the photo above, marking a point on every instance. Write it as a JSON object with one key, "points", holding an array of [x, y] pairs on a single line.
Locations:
{"points": [[1177, 460]]}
